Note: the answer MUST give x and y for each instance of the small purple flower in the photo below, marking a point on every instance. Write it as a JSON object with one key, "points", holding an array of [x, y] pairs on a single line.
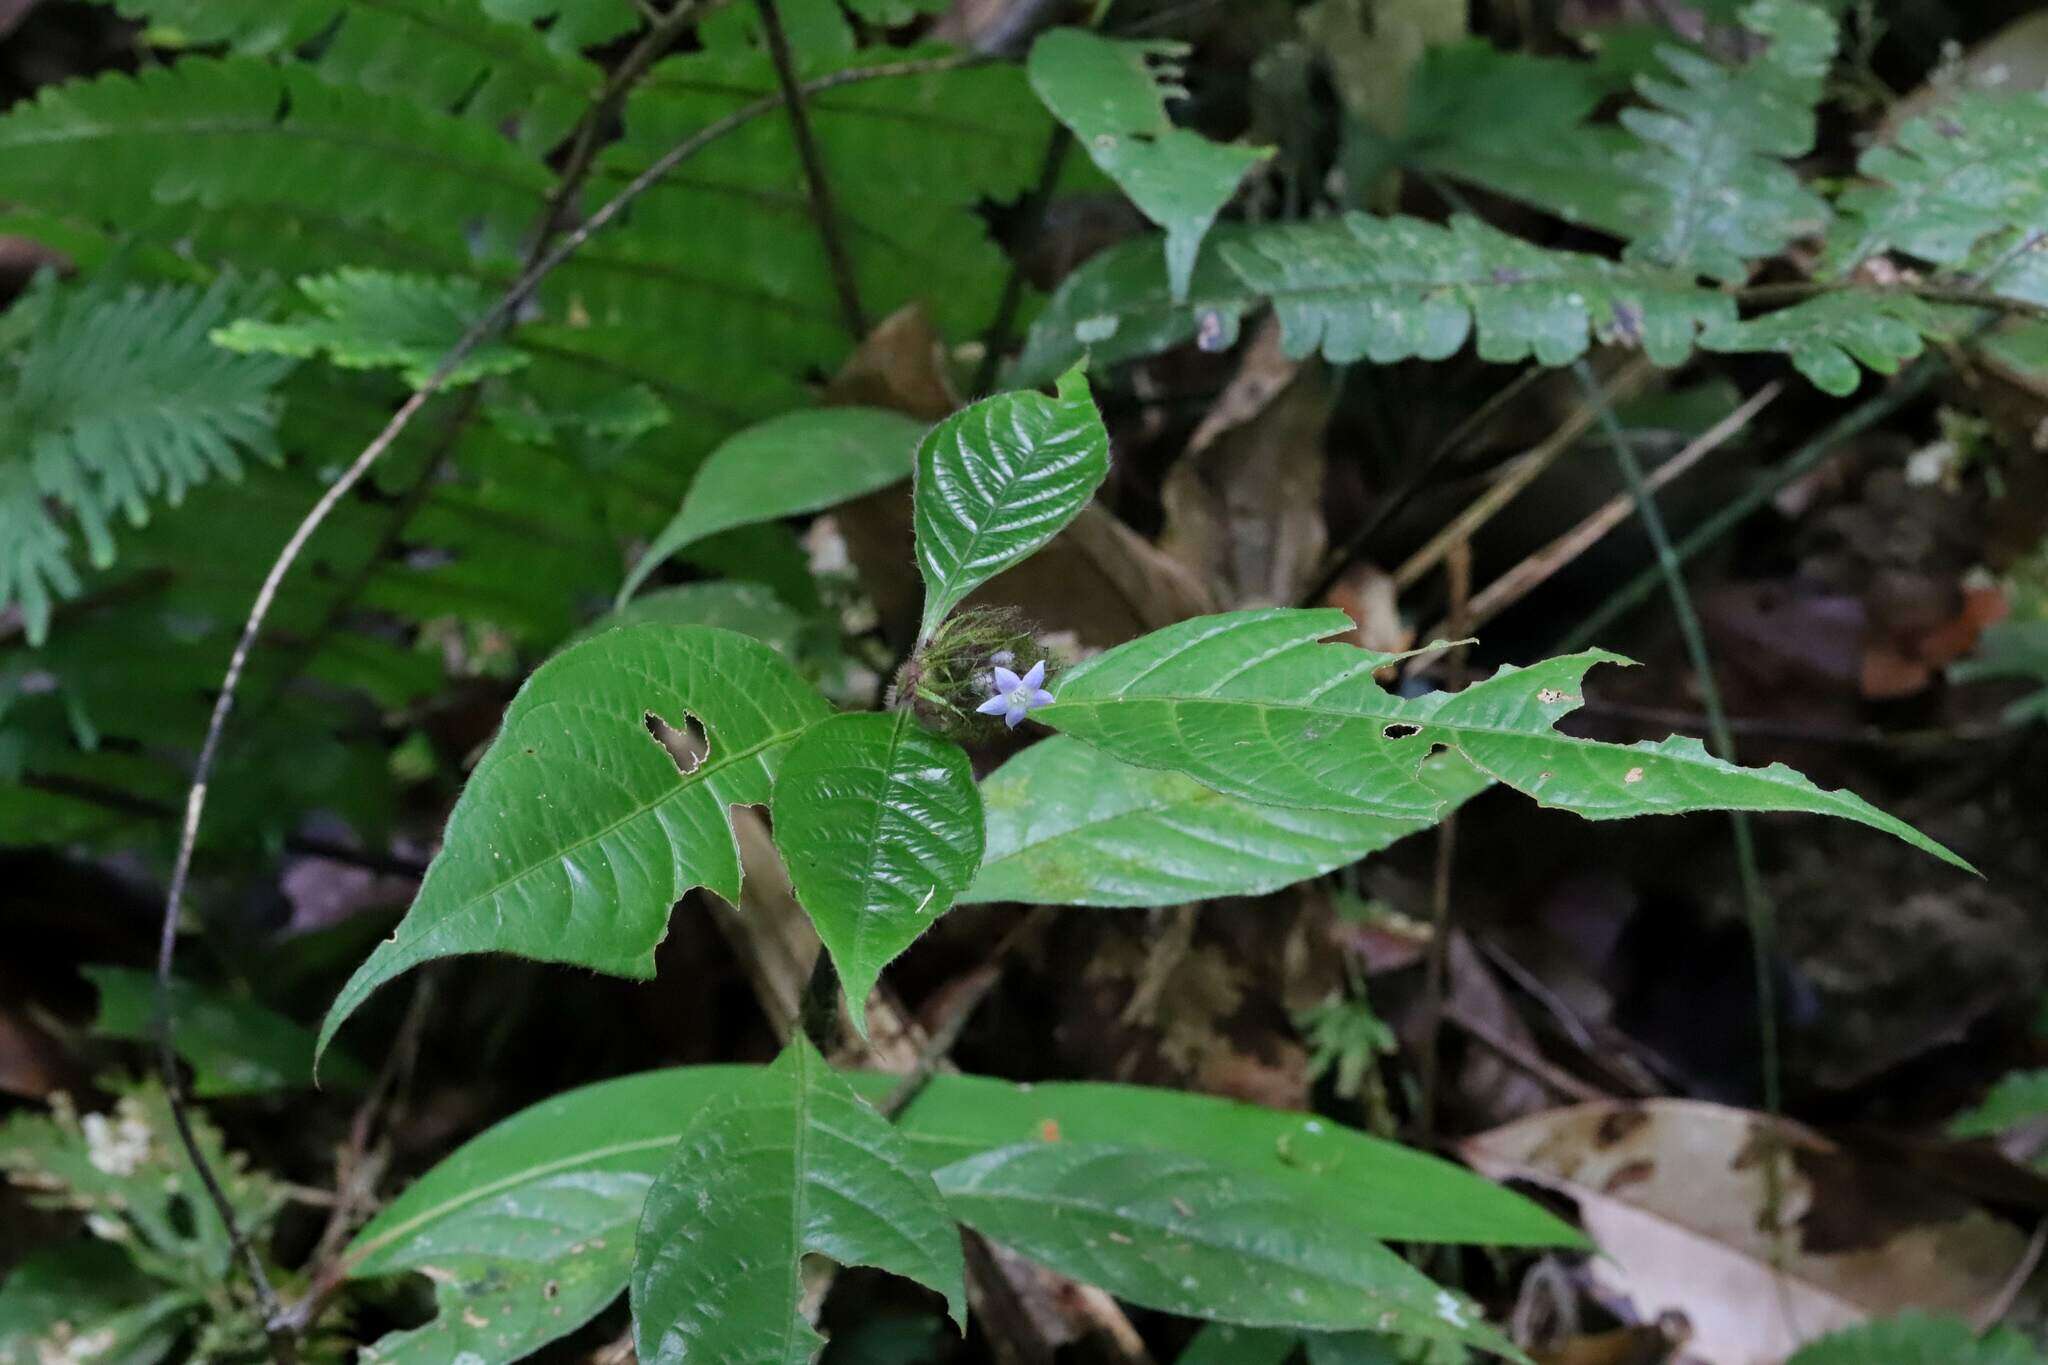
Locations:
{"points": [[1015, 697]]}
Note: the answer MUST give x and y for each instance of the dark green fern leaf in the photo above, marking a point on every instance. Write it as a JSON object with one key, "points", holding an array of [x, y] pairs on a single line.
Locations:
{"points": [[238, 131], [448, 54], [1717, 194], [1388, 289], [373, 319], [117, 401]]}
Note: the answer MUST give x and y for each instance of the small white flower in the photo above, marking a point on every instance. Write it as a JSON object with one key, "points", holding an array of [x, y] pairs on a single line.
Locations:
{"points": [[116, 1146]]}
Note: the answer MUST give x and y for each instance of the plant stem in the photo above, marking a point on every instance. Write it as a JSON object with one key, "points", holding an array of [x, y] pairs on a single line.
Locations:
{"points": [[1902, 391], [815, 182], [283, 1346], [1762, 915]]}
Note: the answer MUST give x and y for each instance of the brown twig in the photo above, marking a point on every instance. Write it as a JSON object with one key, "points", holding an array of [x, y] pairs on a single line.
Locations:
{"points": [[962, 1007], [1993, 1312], [1339, 558], [816, 184], [1518, 582], [1458, 564], [483, 328], [1519, 475], [358, 1167], [1552, 1075]]}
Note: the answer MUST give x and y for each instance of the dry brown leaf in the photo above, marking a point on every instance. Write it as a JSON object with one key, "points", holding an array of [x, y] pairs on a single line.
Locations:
{"points": [[1244, 504], [1674, 1194]]}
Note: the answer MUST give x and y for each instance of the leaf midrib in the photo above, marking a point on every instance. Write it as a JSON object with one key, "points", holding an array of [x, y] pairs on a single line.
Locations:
{"points": [[698, 776]]}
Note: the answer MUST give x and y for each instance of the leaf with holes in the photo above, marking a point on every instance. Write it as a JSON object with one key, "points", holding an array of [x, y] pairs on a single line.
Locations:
{"points": [[1113, 100], [1249, 703], [880, 825], [1069, 825], [1180, 1235], [790, 1163], [996, 481], [799, 462], [579, 829]]}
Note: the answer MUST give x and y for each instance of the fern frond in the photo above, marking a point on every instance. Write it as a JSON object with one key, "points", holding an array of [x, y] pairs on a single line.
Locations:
{"points": [[117, 401], [374, 319], [572, 24], [726, 252], [1388, 289], [448, 54], [238, 131], [1827, 335], [1717, 193], [1974, 169]]}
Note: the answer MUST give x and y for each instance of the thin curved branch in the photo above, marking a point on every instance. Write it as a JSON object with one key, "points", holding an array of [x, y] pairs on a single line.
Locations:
{"points": [[484, 328]]}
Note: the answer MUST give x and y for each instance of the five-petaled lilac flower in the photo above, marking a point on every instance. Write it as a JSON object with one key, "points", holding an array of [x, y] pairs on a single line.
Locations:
{"points": [[1016, 697]]}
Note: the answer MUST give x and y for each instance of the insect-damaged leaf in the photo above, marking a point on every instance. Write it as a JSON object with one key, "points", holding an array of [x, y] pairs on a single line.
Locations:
{"points": [[1106, 92], [1249, 703], [880, 825], [580, 828], [790, 1162]]}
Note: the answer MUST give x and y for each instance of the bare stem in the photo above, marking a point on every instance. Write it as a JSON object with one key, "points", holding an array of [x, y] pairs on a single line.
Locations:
{"points": [[815, 181]]}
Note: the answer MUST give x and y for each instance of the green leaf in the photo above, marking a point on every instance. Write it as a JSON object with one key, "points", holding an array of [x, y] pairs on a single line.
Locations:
{"points": [[1919, 1339], [1106, 92], [376, 319], [1354, 1348], [578, 830], [799, 462], [2017, 1098], [1382, 1188], [1826, 335], [996, 481], [552, 1193], [529, 1226], [87, 1301], [880, 825], [2012, 649], [1388, 289], [234, 1046], [1069, 825], [1515, 123], [1220, 1343], [791, 1162], [1118, 306], [1975, 166], [1249, 703], [1181, 1235], [1715, 195], [728, 604], [126, 1171]]}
